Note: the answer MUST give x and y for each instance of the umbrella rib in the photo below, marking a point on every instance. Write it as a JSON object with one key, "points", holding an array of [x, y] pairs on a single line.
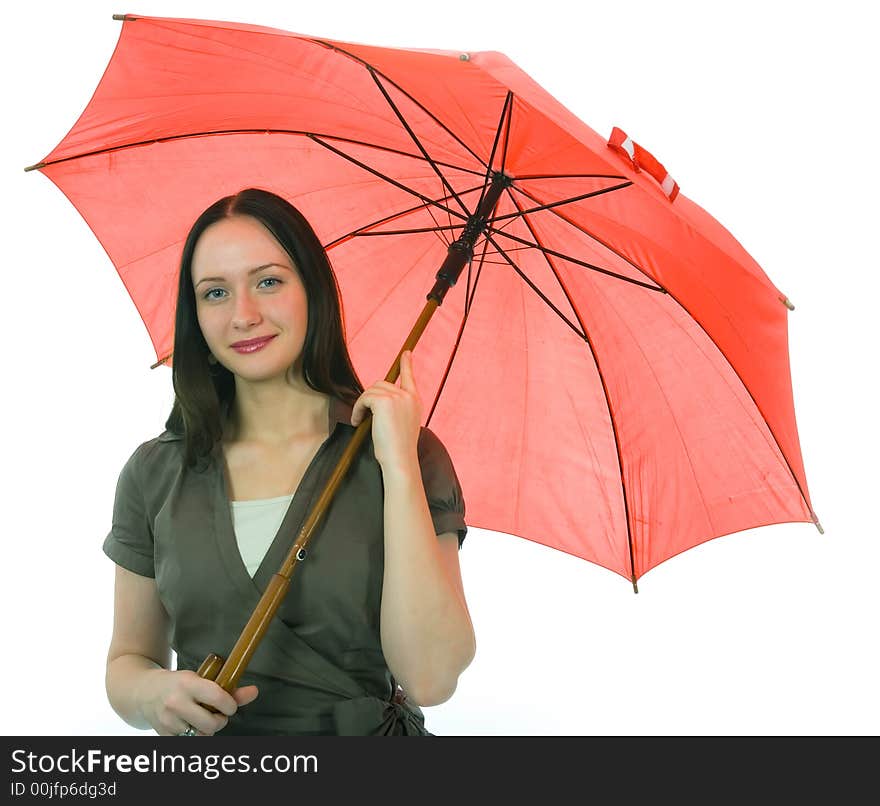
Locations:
{"points": [[514, 249], [495, 262], [388, 179], [361, 230], [588, 234], [569, 200], [504, 226], [469, 298], [531, 285], [583, 325], [504, 108], [415, 139], [437, 226], [506, 137], [574, 260], [569, 176], [361, 233], [221, 132], [398, 151], [413, 231], [448, 217], [400, 89]]}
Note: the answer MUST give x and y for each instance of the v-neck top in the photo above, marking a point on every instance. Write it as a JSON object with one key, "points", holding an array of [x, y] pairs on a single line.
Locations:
{"points": [[319, 667]]}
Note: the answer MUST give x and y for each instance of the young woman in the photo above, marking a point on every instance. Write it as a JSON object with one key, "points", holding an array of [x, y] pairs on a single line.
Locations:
{"points": [[375, 622]]}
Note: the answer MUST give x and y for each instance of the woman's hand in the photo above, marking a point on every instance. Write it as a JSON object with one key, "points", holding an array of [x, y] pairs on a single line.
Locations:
{"points": [[397, 418], [171, 701]]}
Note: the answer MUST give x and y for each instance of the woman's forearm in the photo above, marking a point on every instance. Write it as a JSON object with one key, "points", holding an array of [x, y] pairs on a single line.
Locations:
{"points": [[426, 631], [124, 681]]}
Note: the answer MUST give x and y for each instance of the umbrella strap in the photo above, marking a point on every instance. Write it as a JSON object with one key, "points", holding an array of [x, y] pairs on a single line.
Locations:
{"points": [[640, 158]]}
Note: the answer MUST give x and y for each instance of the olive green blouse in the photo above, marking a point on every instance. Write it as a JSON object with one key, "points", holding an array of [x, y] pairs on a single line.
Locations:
{"points": [[319, 667]]}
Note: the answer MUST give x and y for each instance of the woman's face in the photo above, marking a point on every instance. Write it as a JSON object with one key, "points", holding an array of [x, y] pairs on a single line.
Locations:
{"points": [[247, 287]]}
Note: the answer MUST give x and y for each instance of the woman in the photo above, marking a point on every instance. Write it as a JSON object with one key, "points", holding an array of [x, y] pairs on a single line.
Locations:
{"points": [[375, 622]]}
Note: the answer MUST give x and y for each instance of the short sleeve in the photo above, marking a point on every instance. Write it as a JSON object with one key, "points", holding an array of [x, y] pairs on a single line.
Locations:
{"points": [[442, 488], [129, 542]]}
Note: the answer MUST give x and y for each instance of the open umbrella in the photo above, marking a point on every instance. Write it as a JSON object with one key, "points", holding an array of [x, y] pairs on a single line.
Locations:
{"points": [[610, 372]]}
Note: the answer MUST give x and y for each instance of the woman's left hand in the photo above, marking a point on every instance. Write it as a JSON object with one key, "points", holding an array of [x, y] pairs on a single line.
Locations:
{"points": [[397, 418]]}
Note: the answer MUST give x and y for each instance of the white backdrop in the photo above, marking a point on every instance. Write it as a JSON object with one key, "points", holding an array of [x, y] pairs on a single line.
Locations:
{"points": [[764, 113]]}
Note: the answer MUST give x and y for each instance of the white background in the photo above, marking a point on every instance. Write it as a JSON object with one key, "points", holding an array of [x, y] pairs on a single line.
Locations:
{"points": [[765, 114]]}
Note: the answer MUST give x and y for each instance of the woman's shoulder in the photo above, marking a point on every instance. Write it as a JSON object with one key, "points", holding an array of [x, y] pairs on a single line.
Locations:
{"points": [[162, 449], [429, 444], [154, 466], [434, 457], [168, 436], [150, 473]]}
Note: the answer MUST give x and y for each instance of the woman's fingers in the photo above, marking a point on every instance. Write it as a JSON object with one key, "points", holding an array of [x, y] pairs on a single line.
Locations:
{"points": [[175, 700], [245, 694], [371, 397], [207, 692], [199, 696], [194, 713], [203, 720]]}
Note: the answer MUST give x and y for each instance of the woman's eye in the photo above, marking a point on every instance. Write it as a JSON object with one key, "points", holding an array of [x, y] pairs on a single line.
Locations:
{"points": [[207, 294]]}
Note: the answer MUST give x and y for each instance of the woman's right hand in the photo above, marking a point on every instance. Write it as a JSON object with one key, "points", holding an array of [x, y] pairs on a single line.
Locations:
{"points": [[171, 701]]}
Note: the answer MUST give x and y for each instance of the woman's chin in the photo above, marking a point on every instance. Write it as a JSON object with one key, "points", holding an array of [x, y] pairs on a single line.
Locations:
{"points": [[254, 374]]}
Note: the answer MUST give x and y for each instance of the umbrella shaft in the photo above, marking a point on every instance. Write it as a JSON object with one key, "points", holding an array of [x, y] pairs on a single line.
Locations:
{"points": [[461, 250]]}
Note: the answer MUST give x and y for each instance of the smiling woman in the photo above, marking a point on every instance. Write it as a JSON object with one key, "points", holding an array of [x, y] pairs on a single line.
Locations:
{"points": [[266, 400]]}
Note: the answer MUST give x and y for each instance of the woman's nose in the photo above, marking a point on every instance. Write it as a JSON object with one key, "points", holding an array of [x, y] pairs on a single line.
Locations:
{"points": [[246, 311]]}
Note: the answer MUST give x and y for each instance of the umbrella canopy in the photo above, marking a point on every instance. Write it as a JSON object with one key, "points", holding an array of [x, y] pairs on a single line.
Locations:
{"points": [[610, 374]]}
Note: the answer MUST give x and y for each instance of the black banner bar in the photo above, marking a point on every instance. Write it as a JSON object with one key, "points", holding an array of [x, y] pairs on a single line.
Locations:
{"points": [[398, 769]]}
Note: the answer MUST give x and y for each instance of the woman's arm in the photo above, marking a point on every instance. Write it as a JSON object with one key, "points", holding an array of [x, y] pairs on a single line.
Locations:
{"points": [[140, 644], [141, 687], [426, 631]]}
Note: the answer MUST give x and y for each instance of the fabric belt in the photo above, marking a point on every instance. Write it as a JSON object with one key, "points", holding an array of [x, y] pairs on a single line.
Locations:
{"points": [[372, 716], [359, 715]]}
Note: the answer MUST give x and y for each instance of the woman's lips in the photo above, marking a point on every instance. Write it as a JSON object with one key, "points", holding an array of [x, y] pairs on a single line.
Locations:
{"points": [[254, 346]]}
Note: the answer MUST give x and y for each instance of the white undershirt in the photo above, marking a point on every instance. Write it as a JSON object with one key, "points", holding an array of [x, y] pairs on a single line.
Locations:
{"points": [[256, 523]]}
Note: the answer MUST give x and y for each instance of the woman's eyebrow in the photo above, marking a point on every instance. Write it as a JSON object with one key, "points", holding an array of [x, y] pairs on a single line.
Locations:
{"points": [[250, 271]]}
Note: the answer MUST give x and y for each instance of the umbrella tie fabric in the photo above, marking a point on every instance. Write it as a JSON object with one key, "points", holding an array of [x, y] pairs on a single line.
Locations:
{"points": [[641, 158]]}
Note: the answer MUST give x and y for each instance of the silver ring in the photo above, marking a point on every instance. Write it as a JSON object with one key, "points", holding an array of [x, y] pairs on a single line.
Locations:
{"points": [[190, 731]]}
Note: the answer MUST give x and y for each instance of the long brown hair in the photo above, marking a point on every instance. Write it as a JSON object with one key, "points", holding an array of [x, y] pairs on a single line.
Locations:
{"points": [[203, 392]]}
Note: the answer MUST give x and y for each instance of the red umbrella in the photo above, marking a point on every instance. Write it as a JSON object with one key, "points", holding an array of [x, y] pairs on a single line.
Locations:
{"points": [[610, 373]]}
